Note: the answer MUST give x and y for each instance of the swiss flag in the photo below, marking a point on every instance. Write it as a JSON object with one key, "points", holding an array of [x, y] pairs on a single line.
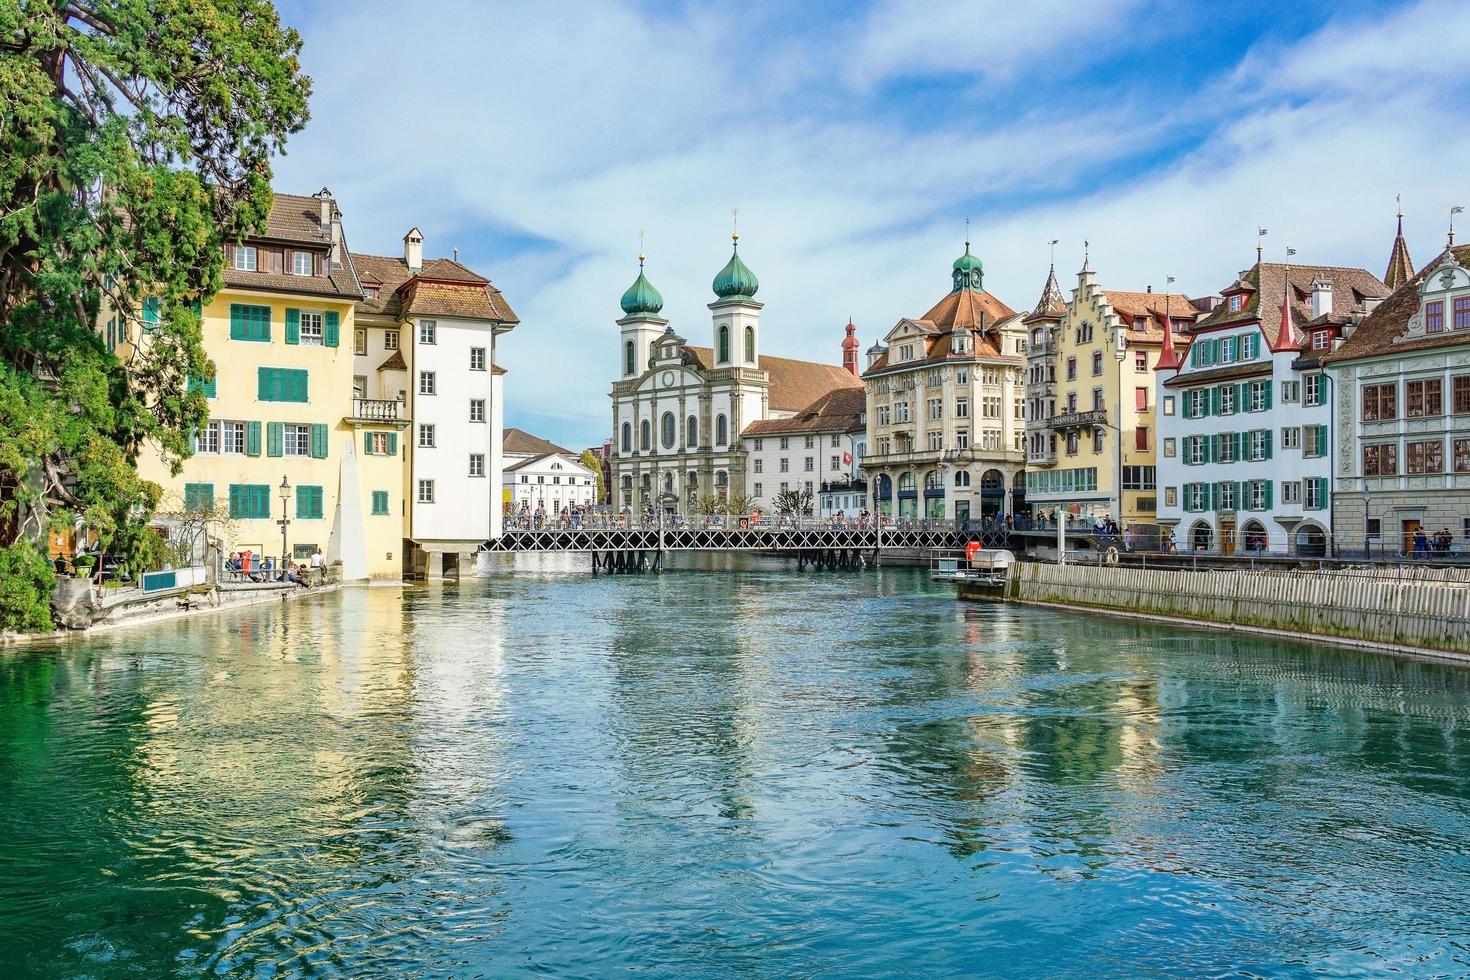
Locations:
{"points": [[847, 459]]}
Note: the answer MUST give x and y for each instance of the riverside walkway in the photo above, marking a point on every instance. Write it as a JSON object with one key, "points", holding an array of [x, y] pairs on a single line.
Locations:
{"points": [[821, 544]]}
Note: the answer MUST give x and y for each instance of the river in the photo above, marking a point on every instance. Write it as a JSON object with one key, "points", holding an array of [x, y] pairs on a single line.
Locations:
{"points": [[708, 774]]}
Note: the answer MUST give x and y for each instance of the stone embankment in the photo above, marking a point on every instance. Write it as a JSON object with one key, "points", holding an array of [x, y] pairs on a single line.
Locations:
{"points": [[1422, 611]]}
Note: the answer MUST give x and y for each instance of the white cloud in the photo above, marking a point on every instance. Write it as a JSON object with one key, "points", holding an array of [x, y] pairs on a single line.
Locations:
{"points": [[525, 122]]}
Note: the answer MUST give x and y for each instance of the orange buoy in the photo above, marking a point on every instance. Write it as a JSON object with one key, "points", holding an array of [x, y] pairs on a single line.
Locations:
{"points": [[971, 549]]}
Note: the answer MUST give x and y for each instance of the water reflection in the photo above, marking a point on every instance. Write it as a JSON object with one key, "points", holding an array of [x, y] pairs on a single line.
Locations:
{"points": [[731, 768]]}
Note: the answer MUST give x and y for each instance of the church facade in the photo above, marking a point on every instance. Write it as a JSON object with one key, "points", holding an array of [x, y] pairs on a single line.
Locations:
{"points": [[679, 409]]}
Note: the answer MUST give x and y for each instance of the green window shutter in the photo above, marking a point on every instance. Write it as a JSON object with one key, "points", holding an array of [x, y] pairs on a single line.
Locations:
{"points": [[1206, 449], [293, 326], [318, 440], [331, 329], [1214, 401], [150, 314], [252, 438], [237, 322], [274, 438], [1242, 397], [236, 506], [367, 443], [1267, 386], [211, 389], [1209, 496], [380, 503], [262, 509], [1321, 440], [308, 502], [297, 388], [264, 379], [392, 444], [199, 496], [1241, 445], [1267, 434], [1268, 496]]}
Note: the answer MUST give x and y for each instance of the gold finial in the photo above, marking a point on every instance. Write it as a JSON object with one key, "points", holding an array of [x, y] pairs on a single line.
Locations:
{"points": [[735, 225], [640, 249]]}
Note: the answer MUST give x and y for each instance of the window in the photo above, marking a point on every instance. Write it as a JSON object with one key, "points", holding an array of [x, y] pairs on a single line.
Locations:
{"points": [[935, 442], [1097, 362], [1462, 313], [477, 409], [1140, 361], [309, 328], [381, 443], [1140, 399], [1434, 316], [1380, 402], [691, 433], [296, 439], [807, 465], [1168, 404], [724, 338], [1423, 399], [750, 345], [1316, 487], [428, 383], [477, 464], [1314, 441], [784, 464], [1195, 403], [1140, 438], [390, 340], [760, 465], [961, 440], [759, 489], [245, 258], [627, 437], [1321, 339], [428, 332], [308, 503], [1290, 391], [722, 430], [1071, 369], [426, 435], [836, 462], [1260, 495], [301, 263], [990, 407], [1097, 400], [380, 503], [630, 357], [1424, 457], [281, 385], [1072, 442], [1260, 444], [1225, 495], [1084, 332], [808, 443], [1462, 455], [359, 342], [1234, 303], [1097, 440], [1291, 438], [199, 496], [1313, 388], [206, 440], [1462, 394], [1225, 400], [1170, 447], [1194, 450], [1291, 492], [477, 358], [668, 430], [1228, 347], [785, 442], [961, 376], [250, 501], [426, 492], [936, 409], [645, 435], [836, 441], [250, 322], [1381, 460], [1260, 396], [901, 411]]}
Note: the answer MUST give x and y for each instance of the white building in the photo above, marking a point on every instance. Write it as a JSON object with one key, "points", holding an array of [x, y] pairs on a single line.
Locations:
{"points": [[1244, 460], [549, 482], [814, 450], [425, 340], [679, 410]]}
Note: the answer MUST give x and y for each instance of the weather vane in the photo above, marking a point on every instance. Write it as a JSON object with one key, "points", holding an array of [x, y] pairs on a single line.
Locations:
{"points": [[1260, 234], [735, 224], [1453, 211]]}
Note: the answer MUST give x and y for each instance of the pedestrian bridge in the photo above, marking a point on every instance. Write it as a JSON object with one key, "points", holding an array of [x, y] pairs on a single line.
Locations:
{"points": [[820, 544]]}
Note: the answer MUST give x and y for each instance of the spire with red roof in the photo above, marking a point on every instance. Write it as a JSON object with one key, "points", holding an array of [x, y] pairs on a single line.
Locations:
{"points": [[1285, 339], [850, 348]]}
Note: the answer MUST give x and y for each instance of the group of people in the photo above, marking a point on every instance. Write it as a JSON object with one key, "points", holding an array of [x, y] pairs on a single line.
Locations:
{"points": [[243, 565], [1437, 543]]}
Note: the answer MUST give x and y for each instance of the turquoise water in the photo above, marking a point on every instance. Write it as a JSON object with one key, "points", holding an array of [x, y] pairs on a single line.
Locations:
{"points": [[714, 774]]}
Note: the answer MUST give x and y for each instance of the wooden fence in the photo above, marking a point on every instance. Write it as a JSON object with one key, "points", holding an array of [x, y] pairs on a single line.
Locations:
{"points": [[1427, 609]]}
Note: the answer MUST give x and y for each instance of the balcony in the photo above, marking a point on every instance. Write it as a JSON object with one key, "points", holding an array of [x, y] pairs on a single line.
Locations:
{"points": [[1077, 420], [1041, 457], [378, 410]]}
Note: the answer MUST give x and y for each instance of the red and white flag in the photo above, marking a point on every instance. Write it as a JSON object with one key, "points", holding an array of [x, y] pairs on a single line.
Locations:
{"points": [[847, 459]]}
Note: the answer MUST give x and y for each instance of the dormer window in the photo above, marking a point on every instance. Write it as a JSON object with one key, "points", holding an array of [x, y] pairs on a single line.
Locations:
{"points": [[301, 263], [1321, 339], [1233, 304], [245, 258], [1434, 316], [370, 292]]}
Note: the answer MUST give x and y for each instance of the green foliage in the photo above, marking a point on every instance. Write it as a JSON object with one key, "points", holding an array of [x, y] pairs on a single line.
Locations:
{"points": [[25, 589], [135, 140], [793, 503], [592, 463]]}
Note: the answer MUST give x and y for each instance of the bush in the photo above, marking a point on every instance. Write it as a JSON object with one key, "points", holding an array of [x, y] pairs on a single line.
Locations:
{"points": [[25, 589]]}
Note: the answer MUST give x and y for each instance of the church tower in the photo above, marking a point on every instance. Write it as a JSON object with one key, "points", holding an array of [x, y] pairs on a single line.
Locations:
{"points": [[1400, 269], [641, 325], [736, 314]]}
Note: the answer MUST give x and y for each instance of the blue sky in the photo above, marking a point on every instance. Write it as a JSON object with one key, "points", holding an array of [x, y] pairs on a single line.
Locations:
{"points": [[856, 139]]}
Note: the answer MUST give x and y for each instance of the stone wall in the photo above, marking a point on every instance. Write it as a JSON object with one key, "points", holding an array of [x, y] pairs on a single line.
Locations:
{"points": [[1419, 609]]}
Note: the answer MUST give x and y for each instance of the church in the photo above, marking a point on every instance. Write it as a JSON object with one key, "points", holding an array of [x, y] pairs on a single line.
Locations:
{"points": [[679, 410]]}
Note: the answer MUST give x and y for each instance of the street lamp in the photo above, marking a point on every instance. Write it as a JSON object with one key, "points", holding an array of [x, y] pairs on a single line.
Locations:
{"points": [[285, 489], [1367, 553], [1120, 353]]}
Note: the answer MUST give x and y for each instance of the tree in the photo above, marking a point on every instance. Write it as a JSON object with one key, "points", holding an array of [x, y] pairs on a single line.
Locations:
{"points": [[595, 465], [135, 140], [794, 503]]}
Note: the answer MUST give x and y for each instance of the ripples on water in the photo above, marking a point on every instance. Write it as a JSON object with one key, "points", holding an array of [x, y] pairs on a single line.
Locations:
{"points": [[705, 773]]}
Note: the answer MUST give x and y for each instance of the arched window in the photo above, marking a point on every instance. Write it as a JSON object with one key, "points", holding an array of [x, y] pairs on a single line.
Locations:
{"points": [[932, 480], [627, 437], [668, 483], [722, 430], [906, 481], [962, 478], [630, 357], [750, 345], [722, 479], [652, 349], [724, 352], [669, 427], [691, 432], [627, 481], [643, 435]]}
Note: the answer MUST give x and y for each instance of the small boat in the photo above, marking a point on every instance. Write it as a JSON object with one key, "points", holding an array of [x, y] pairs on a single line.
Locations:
{"points": [[977, 573]]}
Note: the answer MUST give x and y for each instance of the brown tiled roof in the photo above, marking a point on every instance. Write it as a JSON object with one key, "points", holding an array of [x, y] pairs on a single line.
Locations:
{"points": [[443, 287], [1375, 335], [295, 218], [1226, 373], [794, 384], [967, 308], [395, 362], [982, 313], [1149, 309], [839, 410], [1400, 269], [1052, 305], [520, 442], [1350, 287], [338, 283]]}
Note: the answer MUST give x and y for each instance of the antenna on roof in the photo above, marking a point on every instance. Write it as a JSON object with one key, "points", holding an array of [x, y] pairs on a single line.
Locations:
{"points": [[1260, 234]]}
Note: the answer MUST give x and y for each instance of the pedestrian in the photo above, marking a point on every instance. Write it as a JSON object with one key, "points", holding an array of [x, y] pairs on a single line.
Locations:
{"points": [[1128, 538], [1421, 545]]}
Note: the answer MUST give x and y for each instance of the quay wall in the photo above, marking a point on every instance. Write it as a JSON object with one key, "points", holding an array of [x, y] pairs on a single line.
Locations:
{"points": [[1416, 610]]}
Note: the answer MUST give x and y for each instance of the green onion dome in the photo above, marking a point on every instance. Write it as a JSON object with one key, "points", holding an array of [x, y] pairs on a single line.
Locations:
{"points": [[967, 262], [642, 299], [735, 279]]}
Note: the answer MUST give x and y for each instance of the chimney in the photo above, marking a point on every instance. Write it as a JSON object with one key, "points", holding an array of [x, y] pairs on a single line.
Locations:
{"points": [[413, 250], [1321, 297], [336, 237], [324, 198]]}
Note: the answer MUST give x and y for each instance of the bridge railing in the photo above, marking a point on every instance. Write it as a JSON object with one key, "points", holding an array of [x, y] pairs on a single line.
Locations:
{"points": [[600, 522]]}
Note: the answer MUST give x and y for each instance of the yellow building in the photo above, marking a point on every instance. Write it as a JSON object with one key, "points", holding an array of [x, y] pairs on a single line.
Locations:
{"points": [[281, 406], [1091, 433]]}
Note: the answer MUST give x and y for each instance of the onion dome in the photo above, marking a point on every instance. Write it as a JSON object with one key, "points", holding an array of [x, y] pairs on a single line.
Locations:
{"points": [[967, 262], [968, 272], [642, 299], [735, 280]]}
